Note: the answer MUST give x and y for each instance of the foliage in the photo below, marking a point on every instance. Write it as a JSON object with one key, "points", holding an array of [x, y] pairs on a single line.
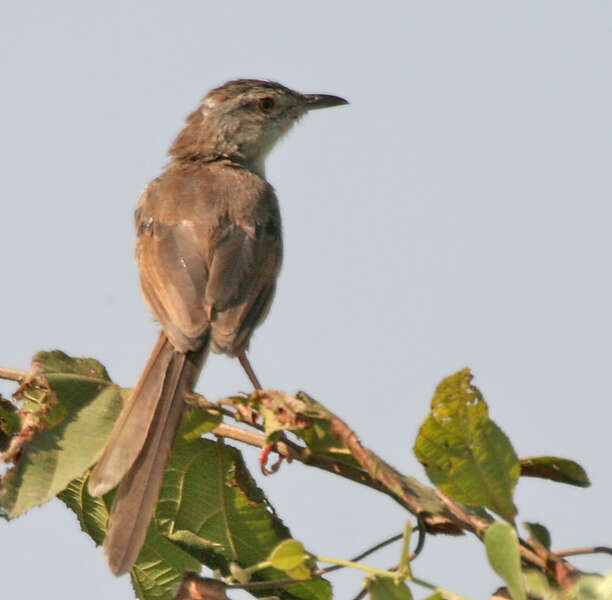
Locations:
{"points": [[211, 513]]}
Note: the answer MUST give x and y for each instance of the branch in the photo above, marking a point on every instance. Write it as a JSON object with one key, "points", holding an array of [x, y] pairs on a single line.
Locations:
{"points": [[13, 374], [292, 451], [361, 556], [452, 518], [585, 550]]}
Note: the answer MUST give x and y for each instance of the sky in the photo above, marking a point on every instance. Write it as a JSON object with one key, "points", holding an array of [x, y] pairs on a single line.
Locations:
{"points": [[456, 214]]}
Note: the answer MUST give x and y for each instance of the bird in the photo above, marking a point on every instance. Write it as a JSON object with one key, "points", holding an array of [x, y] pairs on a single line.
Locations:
{"points": [[209, 250]]}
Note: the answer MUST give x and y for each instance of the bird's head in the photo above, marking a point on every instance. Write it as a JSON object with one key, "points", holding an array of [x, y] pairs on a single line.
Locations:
{"points": [[243, 119]]}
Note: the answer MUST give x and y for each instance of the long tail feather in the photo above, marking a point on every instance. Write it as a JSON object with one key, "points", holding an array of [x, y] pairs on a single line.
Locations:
{"points": [[130, 430], [139, 448]]}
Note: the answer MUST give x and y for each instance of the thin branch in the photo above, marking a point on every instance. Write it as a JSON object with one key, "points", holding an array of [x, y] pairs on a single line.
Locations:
{"points": [[377, 474], [361, 594], [262, 585], [394, 483], [357, 558], [420, 540], [292, 451], [460, 518], [468, 521], [585, 550], [12, 374]]}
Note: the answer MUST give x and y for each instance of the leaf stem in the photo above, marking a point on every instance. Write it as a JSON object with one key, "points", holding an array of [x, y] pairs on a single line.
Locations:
{"points": [[404, 567], [356, 565]]}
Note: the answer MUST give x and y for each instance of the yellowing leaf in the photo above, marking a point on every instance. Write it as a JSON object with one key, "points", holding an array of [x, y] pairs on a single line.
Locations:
{"points": [[465, 453]]}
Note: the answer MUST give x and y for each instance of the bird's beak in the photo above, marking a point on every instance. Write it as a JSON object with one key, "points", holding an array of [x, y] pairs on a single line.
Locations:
{"points": [[314, 101]]}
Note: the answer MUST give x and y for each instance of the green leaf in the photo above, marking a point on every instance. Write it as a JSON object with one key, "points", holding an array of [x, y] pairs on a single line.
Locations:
{"points": [[539, 534], [288, 555], [592, 587], [198, 420], [212, 508], [161, 565], [384, 588], [86, 404], [538, 586], [502, 547], [209, 512], [464, 453], [239, 574], [10, 421], [555, 469], [436, 596], [301, 572], [91, 512]]}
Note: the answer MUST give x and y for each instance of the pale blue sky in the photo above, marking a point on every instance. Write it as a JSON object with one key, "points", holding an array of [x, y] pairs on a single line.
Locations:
{"points": [[457, 213]]}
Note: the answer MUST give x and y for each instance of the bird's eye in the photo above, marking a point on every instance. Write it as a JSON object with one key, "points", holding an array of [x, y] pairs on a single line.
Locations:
{"points": [[266, 105]]}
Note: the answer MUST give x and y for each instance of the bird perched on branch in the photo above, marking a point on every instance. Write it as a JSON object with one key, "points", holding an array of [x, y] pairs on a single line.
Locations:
{"points": [[209, 250]]}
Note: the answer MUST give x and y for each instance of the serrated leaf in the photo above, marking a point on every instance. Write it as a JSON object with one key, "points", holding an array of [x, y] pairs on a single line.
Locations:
{"points": [[91, 512], [502, 545], [384, 588], [554, 468], [161, 565], [61, 364], [237, 524], [210, 505], [465, 453], [10, 421], [87, 405], [538, 533]]}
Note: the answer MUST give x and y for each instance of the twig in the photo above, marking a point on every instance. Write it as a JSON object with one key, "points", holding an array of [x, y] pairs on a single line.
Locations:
{"points": [[391, 480], [12, 374], [584, 550], [357, 558], [361, 594], [554, 564], [468, 521], [262, 585], [292, 451], [420, 540]]}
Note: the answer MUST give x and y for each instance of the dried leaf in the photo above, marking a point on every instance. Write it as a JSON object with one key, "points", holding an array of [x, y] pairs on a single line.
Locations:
{"points": [[555, 469]]}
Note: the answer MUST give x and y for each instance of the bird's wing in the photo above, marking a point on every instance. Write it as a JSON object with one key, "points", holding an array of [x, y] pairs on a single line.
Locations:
{"points": [[204, 266]]}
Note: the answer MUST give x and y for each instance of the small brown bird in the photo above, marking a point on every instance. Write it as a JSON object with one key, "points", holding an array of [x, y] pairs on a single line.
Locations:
{"points": [[209, 250]]}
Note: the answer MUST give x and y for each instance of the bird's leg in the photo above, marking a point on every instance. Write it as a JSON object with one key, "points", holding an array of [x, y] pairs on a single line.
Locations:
{"points": [[265, 451], [248, 369]]}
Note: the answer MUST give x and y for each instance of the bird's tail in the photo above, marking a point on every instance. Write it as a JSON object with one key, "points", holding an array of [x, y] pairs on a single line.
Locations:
{"points": [[139, 446]]}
